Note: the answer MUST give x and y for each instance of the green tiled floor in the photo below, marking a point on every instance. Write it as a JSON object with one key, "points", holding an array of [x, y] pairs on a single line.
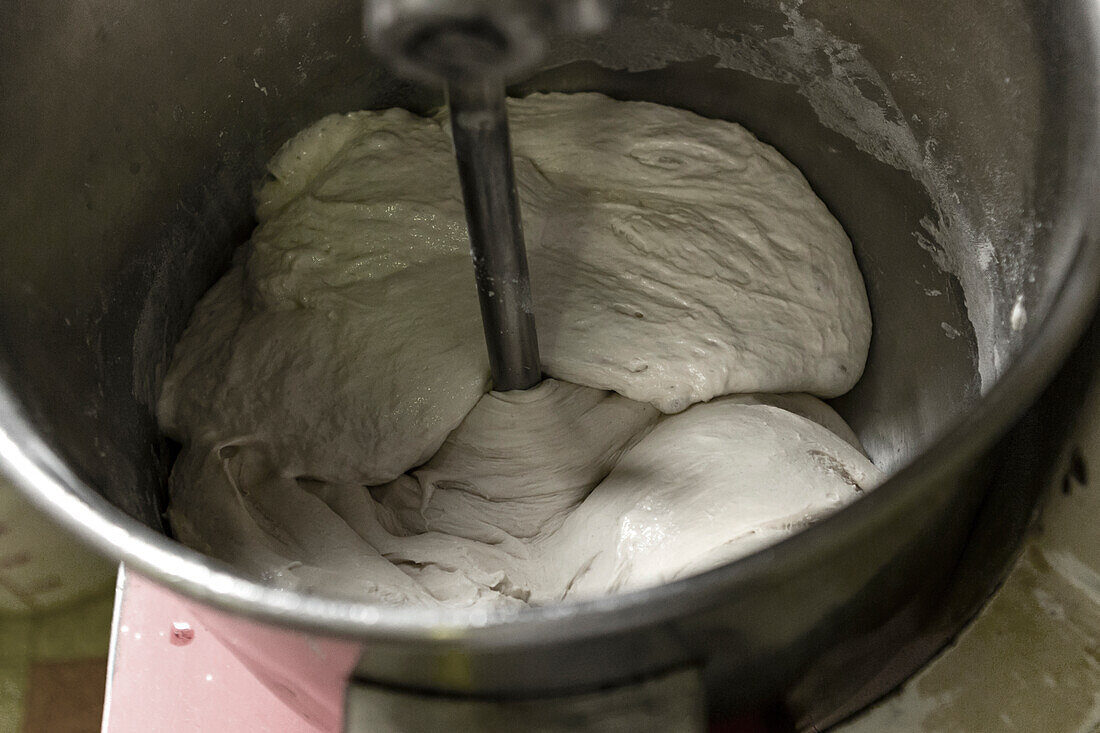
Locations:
{"points": [[56, 600], [79, 633]]}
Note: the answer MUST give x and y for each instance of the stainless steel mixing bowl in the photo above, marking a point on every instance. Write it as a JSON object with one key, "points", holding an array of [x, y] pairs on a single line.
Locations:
{"points": [[956, 142]]}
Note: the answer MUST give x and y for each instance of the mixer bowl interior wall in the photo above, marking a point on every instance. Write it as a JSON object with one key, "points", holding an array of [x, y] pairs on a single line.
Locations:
{"points": [[156, 124]]}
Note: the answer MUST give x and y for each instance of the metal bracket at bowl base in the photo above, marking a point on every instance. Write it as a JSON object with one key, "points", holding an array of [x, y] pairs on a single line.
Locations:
{"points": [[672, 702]]}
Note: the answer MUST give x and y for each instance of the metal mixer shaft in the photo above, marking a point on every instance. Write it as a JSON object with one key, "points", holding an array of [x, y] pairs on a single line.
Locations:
{"points": [[472, 48], [483, 150]]}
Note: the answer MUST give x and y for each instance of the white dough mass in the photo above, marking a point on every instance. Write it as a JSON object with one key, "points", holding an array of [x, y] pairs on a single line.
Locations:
{"points": [[331, 391]]}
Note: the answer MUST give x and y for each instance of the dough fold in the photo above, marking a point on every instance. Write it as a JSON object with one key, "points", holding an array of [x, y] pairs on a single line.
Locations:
{"points": [[686, 493]]}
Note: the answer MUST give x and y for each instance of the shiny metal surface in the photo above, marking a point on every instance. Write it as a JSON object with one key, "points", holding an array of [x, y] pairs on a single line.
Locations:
{"points": [[438, 40], [957, 144], [670, 703], [483, 149]]}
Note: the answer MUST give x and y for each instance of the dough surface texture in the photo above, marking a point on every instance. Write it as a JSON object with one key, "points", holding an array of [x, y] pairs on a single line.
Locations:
{"points": [[638, 501], [331, 392]]}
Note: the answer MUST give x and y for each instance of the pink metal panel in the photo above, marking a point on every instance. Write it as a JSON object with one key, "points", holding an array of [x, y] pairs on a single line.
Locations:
{"points": [[178, 666]]}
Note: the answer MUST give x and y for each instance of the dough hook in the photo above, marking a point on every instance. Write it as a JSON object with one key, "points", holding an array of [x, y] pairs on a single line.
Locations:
{"points": [[472, 49]]}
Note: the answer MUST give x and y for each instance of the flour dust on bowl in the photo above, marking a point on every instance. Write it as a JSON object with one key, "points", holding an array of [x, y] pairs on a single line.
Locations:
{"points": [[964, 179]]}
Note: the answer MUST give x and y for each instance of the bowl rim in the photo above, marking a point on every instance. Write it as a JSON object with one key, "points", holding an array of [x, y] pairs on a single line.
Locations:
{"points": [[35, 469], [39, 473]]}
